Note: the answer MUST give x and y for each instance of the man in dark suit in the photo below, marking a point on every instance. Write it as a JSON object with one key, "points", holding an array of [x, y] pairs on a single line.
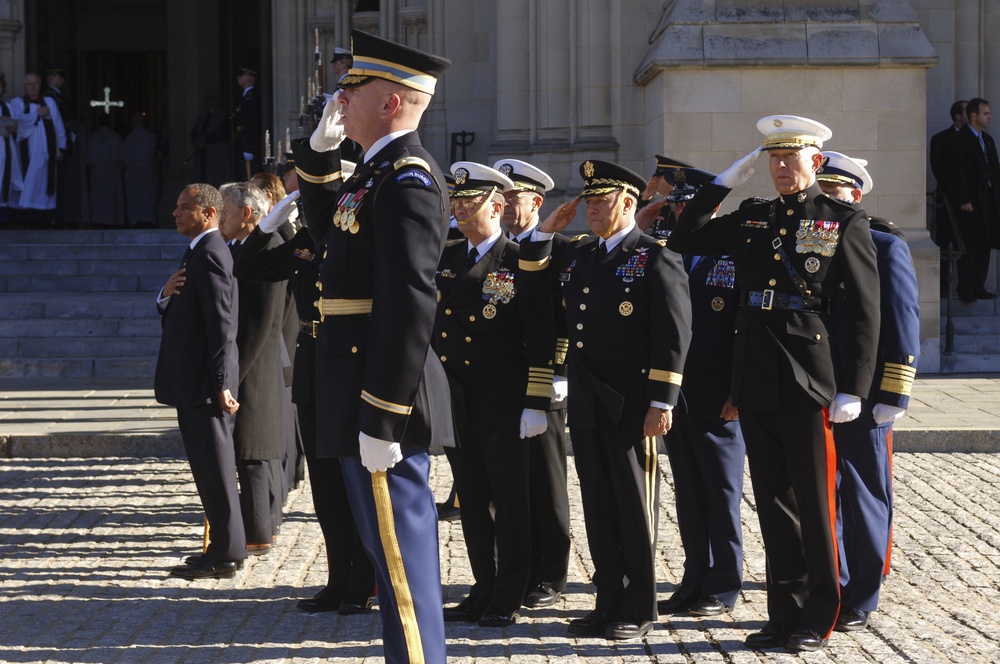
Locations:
{"points": [[351, 579], [550, 540], [784, 382], [381, 394], [495, 334], [246, 125], [705, 445], [197, 372], [259, 434], [864, 446], [974, 190], [628, 315]]}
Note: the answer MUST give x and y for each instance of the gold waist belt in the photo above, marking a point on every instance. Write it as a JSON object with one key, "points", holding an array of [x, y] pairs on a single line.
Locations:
{"points": [[343, 307]]}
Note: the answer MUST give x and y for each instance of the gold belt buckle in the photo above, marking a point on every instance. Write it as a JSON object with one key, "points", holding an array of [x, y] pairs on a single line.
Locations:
{"points": [[767, 300]]}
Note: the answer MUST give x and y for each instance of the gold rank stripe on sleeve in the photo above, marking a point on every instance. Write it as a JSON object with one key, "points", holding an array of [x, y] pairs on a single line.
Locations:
{"points": [[388, 406], [533, 266], [898, 378], [318, 179], [562, 347], [662, 376], [394, 563], [540, 382], [411, 161]]}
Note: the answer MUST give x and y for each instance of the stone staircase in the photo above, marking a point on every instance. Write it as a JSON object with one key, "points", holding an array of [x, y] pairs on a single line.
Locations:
{"points": [[81, 304], [976, 337]]}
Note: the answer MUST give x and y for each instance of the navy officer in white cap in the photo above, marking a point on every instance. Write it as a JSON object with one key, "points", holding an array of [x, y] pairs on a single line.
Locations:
{"points": [[791, 254], [864, 445], [550, 540]]}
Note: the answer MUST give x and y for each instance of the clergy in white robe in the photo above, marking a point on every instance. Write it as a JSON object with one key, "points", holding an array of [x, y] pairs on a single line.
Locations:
{"points": [[139, 156], [41, 140]]}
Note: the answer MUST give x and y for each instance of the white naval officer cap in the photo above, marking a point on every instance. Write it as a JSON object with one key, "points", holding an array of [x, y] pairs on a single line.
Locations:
{"points": [[525, 176], [791, 132], [842, 169], [472, 179]]}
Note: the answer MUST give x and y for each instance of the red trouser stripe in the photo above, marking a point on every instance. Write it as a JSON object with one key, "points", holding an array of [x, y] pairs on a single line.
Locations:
{"points": [[831, 493], [888, 551]]}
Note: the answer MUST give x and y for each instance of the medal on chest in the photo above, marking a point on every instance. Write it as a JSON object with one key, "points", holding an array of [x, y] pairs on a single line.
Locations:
{"points": [[817, 237], [498, 288], [634, 267], [722, 274], [346, 216]]}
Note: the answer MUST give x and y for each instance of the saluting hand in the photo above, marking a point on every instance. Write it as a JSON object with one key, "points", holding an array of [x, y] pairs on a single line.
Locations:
{"points": [[560, 217], [658, 422], [645, 217], [174, 283]]}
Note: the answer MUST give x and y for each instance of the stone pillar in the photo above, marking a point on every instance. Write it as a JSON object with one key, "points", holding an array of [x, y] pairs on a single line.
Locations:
{"points": [[515, 73], [12, 43], [968, 62], [595, 55]]}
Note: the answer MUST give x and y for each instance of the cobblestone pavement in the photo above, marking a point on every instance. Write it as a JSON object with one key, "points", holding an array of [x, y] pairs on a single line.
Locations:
{"points": [[86, 545]]}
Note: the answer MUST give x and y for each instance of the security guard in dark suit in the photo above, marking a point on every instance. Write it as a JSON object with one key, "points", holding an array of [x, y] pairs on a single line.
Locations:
{"points": [[628, 315], [705, 445], [495, 334], [351, 578], [246, 125], [864, 446], [791, 254], [381, 393], [550, 538]]}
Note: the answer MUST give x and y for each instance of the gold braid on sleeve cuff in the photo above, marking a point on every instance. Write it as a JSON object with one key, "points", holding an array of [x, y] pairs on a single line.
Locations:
{"points": [[662, 376], [540, 382], [898, 378]]}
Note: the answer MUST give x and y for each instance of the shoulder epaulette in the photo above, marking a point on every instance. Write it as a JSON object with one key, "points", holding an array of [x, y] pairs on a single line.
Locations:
{"points": [[579, 237], [411, 161], [662, 243]]}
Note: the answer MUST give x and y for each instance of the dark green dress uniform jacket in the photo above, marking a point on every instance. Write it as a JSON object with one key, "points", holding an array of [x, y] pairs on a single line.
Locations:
{"points": [[375, 371], [495, 334], [780, 347], [628, 321]]}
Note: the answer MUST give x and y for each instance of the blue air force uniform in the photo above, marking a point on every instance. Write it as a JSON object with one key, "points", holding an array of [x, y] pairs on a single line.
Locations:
{"points": [[864, 448], [384, 231]]}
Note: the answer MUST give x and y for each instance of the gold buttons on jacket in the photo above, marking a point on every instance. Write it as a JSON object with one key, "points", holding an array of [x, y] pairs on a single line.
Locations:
{"points": [[579, 344], [444, 335], [586, 289], [467, 363], [319, 286], [782, 231], [789, 212], [583, 307], [818, 337], [579, 326], [772, 282], [447, 312], [354, 349], [468, 340], [444, 358], [472, 319], [777, 257]]}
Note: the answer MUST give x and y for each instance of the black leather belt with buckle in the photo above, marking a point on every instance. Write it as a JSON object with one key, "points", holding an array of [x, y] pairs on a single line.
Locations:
{"points": [[309, 327], [772, 299]]}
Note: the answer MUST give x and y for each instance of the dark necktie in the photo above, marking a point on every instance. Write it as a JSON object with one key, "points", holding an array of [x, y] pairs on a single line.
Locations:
{"points": [[602, 250], [471, 261], [187, 256]]}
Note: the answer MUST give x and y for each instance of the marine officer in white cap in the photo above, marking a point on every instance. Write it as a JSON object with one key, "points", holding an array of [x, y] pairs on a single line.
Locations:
{"points": [[791, 254]]}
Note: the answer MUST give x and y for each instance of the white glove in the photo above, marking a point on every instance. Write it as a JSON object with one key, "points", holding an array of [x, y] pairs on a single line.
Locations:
{"points": [[739, 172], [883, 412], [845, 407], [378, 455], [533, 422], [248, 156], [329, 133], [279, 213], [560, 389]]}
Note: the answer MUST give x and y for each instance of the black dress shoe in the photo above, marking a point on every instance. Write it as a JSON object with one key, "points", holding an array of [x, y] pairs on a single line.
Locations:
{"points": [[206, 567], [594, 623], [983, 294], [619, 630], [448, 512], [258, 549], [494, 617], [679, 602], [323, 601], [771, 635], [543, 595], [193, 560], [469, 609], [355, 607], [709, 606], [805, 640], [851, 620]]}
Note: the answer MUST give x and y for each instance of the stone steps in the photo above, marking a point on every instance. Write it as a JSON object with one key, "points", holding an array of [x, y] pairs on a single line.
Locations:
{"points": [[977, 337], [82, 304]]}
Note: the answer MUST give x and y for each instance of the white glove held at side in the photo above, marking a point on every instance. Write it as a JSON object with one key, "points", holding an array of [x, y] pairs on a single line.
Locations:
{"points": [[845, 407], [883, 412], [739, 172], [378, 455], [533, 422], [329, 133], [279, 213], [560, 389]]}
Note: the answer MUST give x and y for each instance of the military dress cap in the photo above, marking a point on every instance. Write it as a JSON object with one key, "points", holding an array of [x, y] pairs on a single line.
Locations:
{"points": [[341, 54], [791, 132], [55, 70], [686, 182], [603, 177], [472, 179], [375, 57], [247, 70], [525, 176], [842, 169], [664, 164]]}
